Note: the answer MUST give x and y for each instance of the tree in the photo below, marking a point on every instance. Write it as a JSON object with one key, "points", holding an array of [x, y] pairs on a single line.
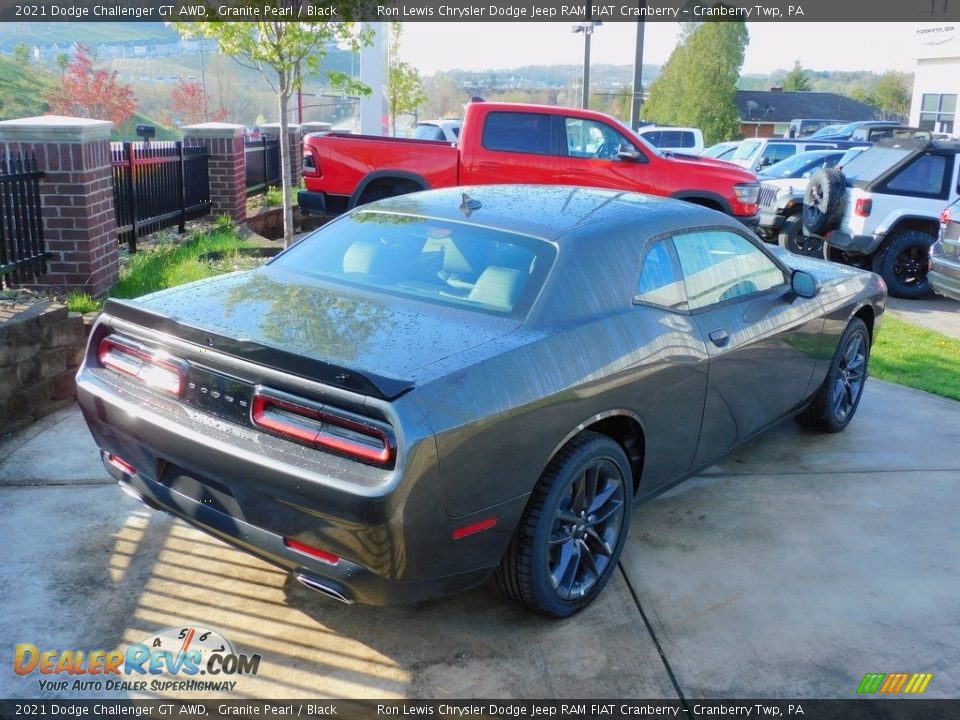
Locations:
{"points": [[280, 51], [697, 87], [405, 91], [86, 92], [63, 62], [189, 104], [891, 93], [21, 53], [797, 80]]}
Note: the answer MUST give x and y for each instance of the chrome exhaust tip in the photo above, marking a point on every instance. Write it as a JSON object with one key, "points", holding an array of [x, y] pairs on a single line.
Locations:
{"points": [[322, 588], [137, 496]]}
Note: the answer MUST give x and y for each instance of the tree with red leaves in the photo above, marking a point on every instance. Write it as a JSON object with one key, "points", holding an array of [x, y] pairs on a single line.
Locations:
{"points": [[87, 92], [189, 104]]}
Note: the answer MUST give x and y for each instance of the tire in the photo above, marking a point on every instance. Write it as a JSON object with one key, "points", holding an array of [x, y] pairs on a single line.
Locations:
{"points": [[837, 400], [792, 238], [823, 201], [560, 578], [902, 264]]}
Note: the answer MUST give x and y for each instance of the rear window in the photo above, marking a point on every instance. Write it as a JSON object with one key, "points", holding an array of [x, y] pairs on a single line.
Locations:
{"points": [[874, 162], [428, 132], [440, 261], [517, 132]]}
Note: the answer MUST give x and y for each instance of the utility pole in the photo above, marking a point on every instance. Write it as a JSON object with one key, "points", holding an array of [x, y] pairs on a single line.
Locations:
{"points": [[638, 71]]}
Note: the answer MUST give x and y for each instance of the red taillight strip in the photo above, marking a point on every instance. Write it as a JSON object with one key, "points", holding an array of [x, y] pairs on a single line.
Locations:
{"points": [[121, 465], [261, 417], [329, 557], [474, 528], [141, 353]]}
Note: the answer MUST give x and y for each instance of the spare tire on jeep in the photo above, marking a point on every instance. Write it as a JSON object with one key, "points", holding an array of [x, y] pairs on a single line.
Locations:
{"points": [[823, 201]]}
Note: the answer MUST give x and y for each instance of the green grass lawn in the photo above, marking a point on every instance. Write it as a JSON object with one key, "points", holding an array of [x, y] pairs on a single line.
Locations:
{"points": [[916, 357], [166, 265]]}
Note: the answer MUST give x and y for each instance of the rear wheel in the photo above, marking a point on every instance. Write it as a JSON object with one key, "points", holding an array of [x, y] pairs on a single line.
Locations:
{"points": [[793, 239], [836, 402], [903, 264], [569, 541]]}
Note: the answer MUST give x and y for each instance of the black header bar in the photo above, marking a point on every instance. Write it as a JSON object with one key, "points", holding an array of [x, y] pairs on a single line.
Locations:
{"points": [[634, 709], [860, 11]]}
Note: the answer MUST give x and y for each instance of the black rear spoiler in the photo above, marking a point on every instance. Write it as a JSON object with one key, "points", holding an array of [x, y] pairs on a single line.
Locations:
{"points": [[360, 381]]}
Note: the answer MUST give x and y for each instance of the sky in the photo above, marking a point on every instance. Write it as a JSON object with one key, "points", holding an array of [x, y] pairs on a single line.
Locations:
{"points": [[818, 46]]}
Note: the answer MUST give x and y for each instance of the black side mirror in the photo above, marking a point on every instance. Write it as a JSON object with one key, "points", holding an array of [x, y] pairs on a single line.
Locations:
{"points": [[804, 284]]}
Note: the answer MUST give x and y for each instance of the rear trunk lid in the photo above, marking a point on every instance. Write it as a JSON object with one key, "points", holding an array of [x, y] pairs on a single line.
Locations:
{"points": [[320, 330]]}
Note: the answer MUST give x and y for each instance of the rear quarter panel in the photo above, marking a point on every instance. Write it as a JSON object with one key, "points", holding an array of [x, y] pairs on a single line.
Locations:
{"points": [[345, 161]]}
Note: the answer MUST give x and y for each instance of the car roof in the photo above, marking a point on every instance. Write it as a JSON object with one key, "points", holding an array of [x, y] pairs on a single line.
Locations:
{"points": [[920, 144], [546, 211]]}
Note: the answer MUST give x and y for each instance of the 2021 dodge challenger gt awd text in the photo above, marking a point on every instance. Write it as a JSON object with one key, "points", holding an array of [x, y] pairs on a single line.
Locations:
{"points": [[437, 388]]}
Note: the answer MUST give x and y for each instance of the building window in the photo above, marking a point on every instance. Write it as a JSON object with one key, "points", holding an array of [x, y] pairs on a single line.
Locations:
{"points": [[937, 111]]}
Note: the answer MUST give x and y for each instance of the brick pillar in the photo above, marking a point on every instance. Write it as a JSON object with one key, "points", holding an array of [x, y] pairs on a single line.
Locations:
{"points": [[296, 147], [79, 224], [228, 180]]}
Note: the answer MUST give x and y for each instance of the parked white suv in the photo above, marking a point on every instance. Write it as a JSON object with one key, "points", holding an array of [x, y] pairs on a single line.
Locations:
{"points": [[882, 212], [673, 139]]}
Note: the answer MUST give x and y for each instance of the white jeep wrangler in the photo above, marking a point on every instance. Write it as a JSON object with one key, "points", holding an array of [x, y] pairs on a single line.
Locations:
{"points": [[881, 213]]}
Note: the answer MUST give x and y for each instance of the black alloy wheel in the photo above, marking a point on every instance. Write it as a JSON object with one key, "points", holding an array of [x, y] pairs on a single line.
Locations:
{"points": [[837, 399], [570, 538]]}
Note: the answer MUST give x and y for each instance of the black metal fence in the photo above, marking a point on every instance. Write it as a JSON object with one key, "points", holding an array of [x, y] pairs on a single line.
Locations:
{"points": [[23, 255], [158, 185], [263, 163]]}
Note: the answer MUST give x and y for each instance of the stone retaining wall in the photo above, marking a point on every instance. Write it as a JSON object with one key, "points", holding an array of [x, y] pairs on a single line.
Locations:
{"points": [[41, 347]]}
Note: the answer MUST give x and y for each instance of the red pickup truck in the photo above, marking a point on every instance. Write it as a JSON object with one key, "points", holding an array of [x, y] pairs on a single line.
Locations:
{"points": [[514, 143]]}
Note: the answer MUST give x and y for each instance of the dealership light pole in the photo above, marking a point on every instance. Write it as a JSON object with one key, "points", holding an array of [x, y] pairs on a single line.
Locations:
{"points": [[638, 72], [587, 29]]}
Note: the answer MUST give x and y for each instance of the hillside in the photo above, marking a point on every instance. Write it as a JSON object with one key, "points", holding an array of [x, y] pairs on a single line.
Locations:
{"points": [[46, 34], [22, 95]]}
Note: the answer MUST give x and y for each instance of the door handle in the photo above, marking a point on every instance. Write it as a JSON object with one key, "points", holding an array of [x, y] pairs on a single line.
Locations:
{"points": [[719, 337], [490, 165]]}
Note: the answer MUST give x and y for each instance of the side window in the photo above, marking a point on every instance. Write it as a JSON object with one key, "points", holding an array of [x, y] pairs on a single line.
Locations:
{"points": [[776, 153], [654, 137], [660, 282], [592, 139], [719, 265], [517, 132], [924, 176]]}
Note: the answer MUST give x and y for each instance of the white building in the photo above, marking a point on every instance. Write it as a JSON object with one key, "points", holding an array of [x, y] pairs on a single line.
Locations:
{"points": [[936, 83]]}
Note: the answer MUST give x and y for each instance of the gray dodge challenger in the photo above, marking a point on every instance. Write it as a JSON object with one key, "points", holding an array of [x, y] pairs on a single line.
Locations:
{"points": [[448, 385]]}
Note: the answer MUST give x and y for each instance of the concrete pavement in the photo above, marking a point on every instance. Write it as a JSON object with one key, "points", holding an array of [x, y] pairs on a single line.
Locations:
{"points": [[791, 568]]}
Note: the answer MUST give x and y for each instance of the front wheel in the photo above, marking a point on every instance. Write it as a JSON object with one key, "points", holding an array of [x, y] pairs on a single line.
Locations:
{"points": [[792, 238], [569, 541], [836, 402]]}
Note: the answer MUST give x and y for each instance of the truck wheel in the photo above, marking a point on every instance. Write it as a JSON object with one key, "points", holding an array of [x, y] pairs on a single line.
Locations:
{"points": [[823, 201], [385, 188], [903, 264], [569, 541], [793, 239]]}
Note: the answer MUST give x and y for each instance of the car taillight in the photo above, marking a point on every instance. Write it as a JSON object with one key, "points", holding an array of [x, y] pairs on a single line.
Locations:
{"points": [[863, 207], [945, 216], [310, 168], [152, 368], [323, 427]]}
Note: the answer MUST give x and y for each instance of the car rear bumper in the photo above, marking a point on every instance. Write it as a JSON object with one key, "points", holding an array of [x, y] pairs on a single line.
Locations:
{"points": [[312, 203], [852, 244], [944, 276], [770, 223], [389, 543]]}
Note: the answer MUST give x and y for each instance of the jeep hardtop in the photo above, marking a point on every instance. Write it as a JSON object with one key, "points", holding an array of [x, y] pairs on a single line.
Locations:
{"points": [[882, 211]]}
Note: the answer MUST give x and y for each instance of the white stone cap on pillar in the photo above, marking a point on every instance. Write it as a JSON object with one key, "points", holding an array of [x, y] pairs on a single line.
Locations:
{"points": [[274, 128], [54, 129], [309, 127], [213, 130]]}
